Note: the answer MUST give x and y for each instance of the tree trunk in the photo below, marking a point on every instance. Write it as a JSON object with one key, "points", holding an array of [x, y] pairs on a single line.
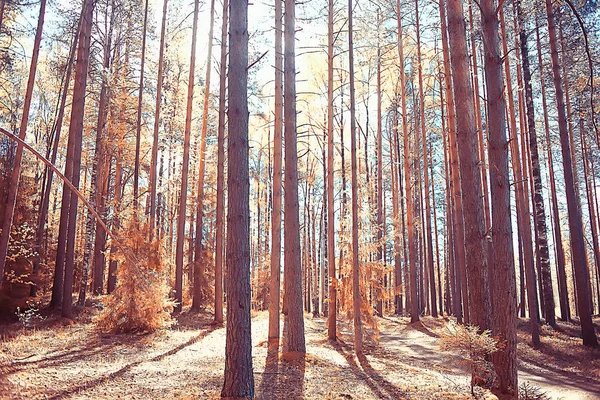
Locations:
{"points": [[501, 266], [540, 212], [239, 379], [181, 217], [565, 310], [157, 121], [13, 185], [356, 295], [293, 275], [582, 279], [412, 255], [474, 220], [332, 301], [75, 143], [199, 280], [138, 126]]}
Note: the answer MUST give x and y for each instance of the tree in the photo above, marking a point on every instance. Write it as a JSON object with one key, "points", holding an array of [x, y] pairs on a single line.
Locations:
{"points": [[159, 84], [239, 379], [356, 295], [221, 171], [13, 186], [274, 291], [75, 143], [293, 266], [474, 221], [501, 266], [580, 264]]}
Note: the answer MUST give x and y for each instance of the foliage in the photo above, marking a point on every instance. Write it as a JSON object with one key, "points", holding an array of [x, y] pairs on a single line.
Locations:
{"points": [[474, 347], [140, 302], [528, 392]]}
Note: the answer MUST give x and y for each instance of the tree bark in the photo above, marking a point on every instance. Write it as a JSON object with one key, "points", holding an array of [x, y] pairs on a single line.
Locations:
{"points": [[239, 379], [582, 279], [75, 143], [474, 220], [356, 295], [181, 215], [157, 121], [13, 185], [293, 276], [502, 268]]}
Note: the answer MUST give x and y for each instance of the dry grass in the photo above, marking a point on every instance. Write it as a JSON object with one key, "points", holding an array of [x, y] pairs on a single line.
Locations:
{"points": [[57, 359]]}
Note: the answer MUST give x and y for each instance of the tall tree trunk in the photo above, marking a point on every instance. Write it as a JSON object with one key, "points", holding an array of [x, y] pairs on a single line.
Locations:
{"points": [[565, 310], [457, 213], [293, 275], [239, 379], [429, 268], [412, 254], [379, 182], [179, 252], [540, 212], [474, 225], [332, 301], [582, 279], [157, 121], [221, 171], [138, 126], [75, 142], [43, 213], [13, 185], [501, 266], [356, 295], [199, 280], [523, 220], [275, 281]]}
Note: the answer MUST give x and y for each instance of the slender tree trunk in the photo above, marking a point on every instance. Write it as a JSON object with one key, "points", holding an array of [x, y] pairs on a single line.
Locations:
{"points": [[356, 295], [565, 310], [179, 252], [582, 279], [239, 379], [502, 268], [13, 185], [199, 280], [221, 171], [540, 212], [429, 268], [138, 126], [157, 121], [43, 213], [414, 311], [75, 142], [457, 214], [332, 308], [293, 275]]}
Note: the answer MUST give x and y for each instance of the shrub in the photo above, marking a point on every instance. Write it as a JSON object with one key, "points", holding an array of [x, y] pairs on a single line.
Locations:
{"points": [[474, 347], [140, 302]]}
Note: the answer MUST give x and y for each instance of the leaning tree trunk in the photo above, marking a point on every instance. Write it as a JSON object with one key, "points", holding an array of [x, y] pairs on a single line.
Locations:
{"points": [[13, 185]]}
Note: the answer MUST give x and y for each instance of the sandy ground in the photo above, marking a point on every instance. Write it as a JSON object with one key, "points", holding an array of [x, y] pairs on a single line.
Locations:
{"points": [[70, 360]]}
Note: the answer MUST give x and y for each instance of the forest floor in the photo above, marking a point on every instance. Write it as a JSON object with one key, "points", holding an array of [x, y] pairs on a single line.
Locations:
{"points": [[56, 359]]}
